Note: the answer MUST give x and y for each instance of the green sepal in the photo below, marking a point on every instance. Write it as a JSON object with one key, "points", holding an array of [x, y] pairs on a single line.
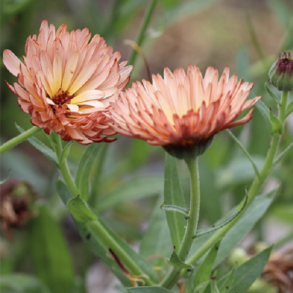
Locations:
{"points": [[80, 211], [175, 261]]}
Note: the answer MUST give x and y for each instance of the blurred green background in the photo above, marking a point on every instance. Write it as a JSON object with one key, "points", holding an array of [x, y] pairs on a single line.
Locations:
{"points": [[128, 176]]}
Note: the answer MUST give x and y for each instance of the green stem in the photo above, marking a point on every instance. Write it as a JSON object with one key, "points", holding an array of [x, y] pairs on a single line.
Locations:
{"points": [[64, 168], [96, 227], [142, 30], [253, 191], [19, 139], [192, 165]]}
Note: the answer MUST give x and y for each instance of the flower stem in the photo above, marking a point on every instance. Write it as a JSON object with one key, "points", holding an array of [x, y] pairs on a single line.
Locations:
{"points": [[192, 165], [97, 227], [141, 34], [253, 191], [18, 139]]}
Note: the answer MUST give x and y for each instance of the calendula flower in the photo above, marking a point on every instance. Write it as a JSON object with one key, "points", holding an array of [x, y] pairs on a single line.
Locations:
{"points": [[67, 82], [182, 112]]}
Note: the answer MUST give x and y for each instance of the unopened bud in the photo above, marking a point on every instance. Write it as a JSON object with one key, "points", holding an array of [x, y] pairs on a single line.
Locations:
{"points": [[281, 72]]}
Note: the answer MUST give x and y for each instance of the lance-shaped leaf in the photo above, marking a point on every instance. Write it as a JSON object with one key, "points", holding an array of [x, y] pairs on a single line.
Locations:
{"points": [[46, 151], [84, 169], [225, 222], [272, 94], [66, 151], [173, 196], [175, 261], [241, 146], [265, 113], [247, 273], [200, 277], [228, 282], [277, 126], [283, 154], [90, 241], [172, 208]]}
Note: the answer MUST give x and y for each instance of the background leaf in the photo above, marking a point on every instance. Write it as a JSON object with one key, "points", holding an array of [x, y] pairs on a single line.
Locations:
{"points": [[50, 254], [148, 290]]}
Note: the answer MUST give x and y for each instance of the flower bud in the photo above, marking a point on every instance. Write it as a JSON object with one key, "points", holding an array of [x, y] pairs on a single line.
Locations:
{"points": [[281, 72]]}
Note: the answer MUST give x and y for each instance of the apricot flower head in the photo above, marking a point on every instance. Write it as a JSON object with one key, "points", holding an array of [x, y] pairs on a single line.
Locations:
{"points": [[67, 82], [182, 112]]}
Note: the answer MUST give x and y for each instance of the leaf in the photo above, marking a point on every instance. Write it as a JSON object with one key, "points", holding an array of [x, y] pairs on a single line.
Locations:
{"points": [[153, 289], [84, 169], [134, 188], [175, 261], [46, 151], [281, 10], [265, 113], [283, 154], [229, 281], [248, 272], [80, 210], [203, 273], [50, 253], [225, 222], [172, 208], [277, 126], [173, 196], [6, 179], [92, 228], [214, 286], [241, 146], [21, 283], [250, 217], [272, 94], [157, 240], [66, 151], [289, 109], [90, 241]]}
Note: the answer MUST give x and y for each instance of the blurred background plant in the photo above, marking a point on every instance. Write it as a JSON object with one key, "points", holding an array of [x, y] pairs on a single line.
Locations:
{"points": [[246, 35]]}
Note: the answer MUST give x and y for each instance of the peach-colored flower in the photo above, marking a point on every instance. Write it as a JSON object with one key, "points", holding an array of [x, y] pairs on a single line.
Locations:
{"points": [[67, 83], [182, 110]]}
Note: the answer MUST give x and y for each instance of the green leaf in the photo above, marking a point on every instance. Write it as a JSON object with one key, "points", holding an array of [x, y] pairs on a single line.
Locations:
{"points": [[153, 289], [250, 217], [6, 179], [265, 113], [225, 222], [46, 151], [172, 208], [88, 218], [241, 146], [50, 253], [283, 154], [134, 188], [228, 282], [289, 109], [272, 94], [173, 196], [21, 283], [90, 241], [214, 286], [175, 261], [80, 210], [84, 169], [248, 272], [277, 126], [66, 151], [203, 273], [281, 10], [157, 240]]}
